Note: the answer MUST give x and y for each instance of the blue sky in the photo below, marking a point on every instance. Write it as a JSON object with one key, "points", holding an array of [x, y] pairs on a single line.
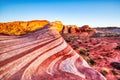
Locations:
{"points": [[80, 12]]}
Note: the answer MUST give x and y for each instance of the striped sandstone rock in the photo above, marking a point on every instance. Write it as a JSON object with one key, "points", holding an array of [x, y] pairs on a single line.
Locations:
{"points": [[42, 55]]}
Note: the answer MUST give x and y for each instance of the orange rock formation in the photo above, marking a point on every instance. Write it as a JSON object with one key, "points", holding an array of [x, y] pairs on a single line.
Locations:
{"points": [[57, 25], [75, 29], [70, 29], [22, 27], [87, 28]]}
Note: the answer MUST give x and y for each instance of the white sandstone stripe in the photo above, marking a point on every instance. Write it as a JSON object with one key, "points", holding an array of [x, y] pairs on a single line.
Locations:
{"points": [[22, 45], [70, 67], [13, 67], [33, 66], [50, 69], [21, 38], [22, 48], [15, 46]]}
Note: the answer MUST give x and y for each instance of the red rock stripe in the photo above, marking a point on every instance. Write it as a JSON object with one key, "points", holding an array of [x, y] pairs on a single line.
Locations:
{"points": [[41, 58], [51, 49], [47, 50], [2, 63], [4, 37], [8, 37], [46, 62], [43, 48], [64, 58], [19, 42], [20, 50], [57, 65], [8, 49], [24, 39], [53, 57]]}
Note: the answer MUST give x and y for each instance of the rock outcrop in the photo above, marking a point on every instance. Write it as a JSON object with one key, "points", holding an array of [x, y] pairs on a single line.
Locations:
{"points": [[76, 29], [57, 25], [70, 29], [86, 28], [22, 27]]}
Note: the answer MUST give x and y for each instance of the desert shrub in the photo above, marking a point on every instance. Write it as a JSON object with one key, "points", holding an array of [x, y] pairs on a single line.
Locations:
{"points": [[75, 46], [84, 51], [115, 72], [118, 47], [68, 40], [91, 61], [104, 72]]}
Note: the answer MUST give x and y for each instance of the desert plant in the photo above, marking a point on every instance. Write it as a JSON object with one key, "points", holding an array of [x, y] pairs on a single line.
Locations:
{"points": [[115, 72], [104, 72], [91, 61], [84, 52], [118, 47], [67, 39], [75, 46]]}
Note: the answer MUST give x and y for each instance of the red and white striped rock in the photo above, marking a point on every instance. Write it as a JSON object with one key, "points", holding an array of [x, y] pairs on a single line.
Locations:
{"points": [[42, 55]]}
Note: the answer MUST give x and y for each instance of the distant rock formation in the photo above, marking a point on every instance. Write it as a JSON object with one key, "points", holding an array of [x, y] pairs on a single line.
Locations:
{"points": [[22, 27], [70, 29], [86, 28], [76, 29], [107, 32]]}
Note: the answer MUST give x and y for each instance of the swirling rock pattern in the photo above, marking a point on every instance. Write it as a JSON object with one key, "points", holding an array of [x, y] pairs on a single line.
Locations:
{"points": [[42, 55]]}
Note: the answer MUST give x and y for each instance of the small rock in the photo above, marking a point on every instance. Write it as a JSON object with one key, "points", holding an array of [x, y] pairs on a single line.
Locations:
{"points": [[116, 65]]}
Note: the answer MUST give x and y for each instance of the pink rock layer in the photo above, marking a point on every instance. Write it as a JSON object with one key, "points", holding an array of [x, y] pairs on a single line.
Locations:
{"points": [[42, 55]]}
